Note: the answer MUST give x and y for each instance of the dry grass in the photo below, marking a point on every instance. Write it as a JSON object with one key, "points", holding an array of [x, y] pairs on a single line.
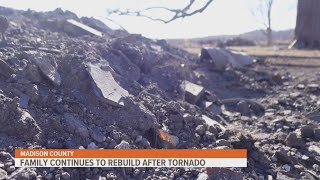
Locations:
{"points": [[264, 51], [277, 51]]}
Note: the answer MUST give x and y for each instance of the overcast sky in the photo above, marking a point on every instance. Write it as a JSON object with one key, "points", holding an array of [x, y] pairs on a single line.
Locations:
{"points": [[222, 17]]}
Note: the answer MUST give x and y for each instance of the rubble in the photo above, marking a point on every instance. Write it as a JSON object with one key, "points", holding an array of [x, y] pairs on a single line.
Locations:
{"points": [[24, 101], [168, 140], [5, 69], [106, 87], [75, 126], [123, 145], [313, 87], [80, 27], [64, 87], [211, 122], [294, 139], [193, 92], [222, 58], [48, 67], [314, 149], [4, 24]]}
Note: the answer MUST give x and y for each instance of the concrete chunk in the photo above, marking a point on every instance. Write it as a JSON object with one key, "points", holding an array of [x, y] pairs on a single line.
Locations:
{"points": [[193, 92], [24, 101], [211, 122], [222, 58], [84, 27], [5, 69], [48, 67], [105, 87], [74, 125]]}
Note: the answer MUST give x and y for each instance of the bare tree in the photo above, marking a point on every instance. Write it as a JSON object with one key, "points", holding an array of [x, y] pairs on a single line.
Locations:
{"points": [[263, 12], [179, 13], [307, 32]]}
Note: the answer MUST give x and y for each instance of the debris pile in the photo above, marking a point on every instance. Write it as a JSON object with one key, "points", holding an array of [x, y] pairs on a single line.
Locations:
{"points": [[69, 82]]}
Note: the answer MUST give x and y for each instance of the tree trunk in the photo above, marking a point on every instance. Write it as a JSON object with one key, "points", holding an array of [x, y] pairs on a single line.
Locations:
{"points": [[307, 32], [269, 36]]}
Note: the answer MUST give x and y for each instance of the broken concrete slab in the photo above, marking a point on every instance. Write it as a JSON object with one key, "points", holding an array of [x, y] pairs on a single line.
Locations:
{"points": [[96, 24], [5, 69], [48, 67], [243, 106], [193, 92], [242, 58], [221, 58], [76, 26], [215, 57], [211, 122], [313, 87], [75, 126], [315, 116], [105, 86], [314, 149], [24, 101], [27, 127]]}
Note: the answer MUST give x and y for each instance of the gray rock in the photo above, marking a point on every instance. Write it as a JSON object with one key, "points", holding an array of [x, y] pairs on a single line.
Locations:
{"points": [[314, 149], [203, 176], [136, 172], [187, 118], [145, 143], [316, 167], [307, 131], [92, 145], [317, 134], [193, 92], [294, 140], [281, 176], [223, 142], [313, 87], [221, 58], [75, 126], [75, 28], [213, 130], [300, 86], [32, 73], [70, 144], [315, 116], [5, 69], [54, 144], [244, 108], [6, 155], [3, 174], [279, 121], [138, 138], [105, 87], [24, 101], [28, 126], [201, 130], [210, 136], [96, 24], [65, 176], [283, 156], [123, 145], [10, 169], [97, 136], [48, 67], [211, 122], [216, 109]]}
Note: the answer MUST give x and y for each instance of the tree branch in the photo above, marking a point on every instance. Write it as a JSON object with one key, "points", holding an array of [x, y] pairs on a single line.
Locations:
{"points": [[177, 13]]}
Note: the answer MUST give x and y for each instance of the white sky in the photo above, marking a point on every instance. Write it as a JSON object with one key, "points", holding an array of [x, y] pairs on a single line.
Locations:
{"points": [[222, 17]]}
